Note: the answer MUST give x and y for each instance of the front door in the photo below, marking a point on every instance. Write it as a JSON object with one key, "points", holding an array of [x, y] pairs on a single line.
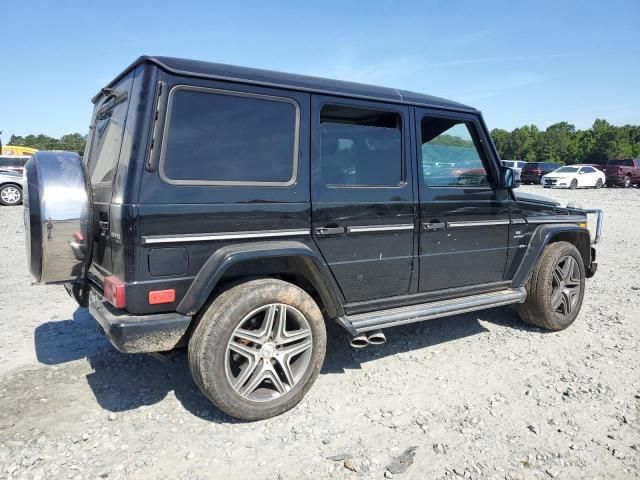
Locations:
{"points": [[464, 218], [363, 214]]}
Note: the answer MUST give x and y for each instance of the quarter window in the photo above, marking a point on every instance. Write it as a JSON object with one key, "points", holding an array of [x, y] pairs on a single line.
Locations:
{"points": [[216, 137], [360, 147], [450, 157]]}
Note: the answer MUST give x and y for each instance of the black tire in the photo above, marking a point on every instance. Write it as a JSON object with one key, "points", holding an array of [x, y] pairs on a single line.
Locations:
{"points": [[10, 195], [627, 182], [208, 354], [574, 184], [538, 309], [599, 183]]}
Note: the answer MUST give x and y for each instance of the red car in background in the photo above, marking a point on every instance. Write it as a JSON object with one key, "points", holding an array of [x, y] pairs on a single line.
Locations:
{"points": [[622, 173]]}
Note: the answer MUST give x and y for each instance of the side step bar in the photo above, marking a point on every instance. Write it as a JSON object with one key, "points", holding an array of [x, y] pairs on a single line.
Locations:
{"points": [[365, 322]]}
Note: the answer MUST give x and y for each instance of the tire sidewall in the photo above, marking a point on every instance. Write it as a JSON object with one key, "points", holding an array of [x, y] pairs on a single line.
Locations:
{"points": [[216, 328], [545, 284]]}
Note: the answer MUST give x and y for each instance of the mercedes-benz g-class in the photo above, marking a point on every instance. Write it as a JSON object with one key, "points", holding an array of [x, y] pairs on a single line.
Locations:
{"points": [[235, 211]]}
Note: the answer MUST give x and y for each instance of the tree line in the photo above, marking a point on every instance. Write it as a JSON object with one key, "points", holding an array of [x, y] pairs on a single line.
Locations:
{"points": [[560, 142], [563, 143], [72, 142]]}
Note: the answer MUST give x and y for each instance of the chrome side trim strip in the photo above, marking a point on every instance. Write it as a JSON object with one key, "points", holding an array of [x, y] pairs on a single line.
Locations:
{"points": [[556, 220], [518, 221], [380, 228], [479, 223], [203, 237], [365, 322]]}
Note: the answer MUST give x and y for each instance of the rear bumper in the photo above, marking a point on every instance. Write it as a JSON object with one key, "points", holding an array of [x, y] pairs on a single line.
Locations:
{"points": [[530, 178], [615, 179], [157, 332]]}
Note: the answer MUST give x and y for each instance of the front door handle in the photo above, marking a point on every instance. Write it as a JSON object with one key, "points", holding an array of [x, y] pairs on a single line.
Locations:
{"points": [[329, 230], [434, 225]]}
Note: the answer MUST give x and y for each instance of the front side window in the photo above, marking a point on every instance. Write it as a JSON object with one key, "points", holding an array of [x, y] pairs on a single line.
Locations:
{"points": [[587, 170], [360, 147], [450, 157], [215, 137]]}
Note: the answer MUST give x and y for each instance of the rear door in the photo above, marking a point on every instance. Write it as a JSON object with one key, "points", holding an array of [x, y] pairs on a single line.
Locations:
{"points": [[363, 215], [464, 218], [101, 160]]}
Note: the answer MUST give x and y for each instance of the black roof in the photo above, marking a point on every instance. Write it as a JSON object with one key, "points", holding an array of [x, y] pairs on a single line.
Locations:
{"points": [[220, 71]]}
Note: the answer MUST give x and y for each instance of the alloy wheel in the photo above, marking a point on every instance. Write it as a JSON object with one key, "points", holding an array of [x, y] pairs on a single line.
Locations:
{"points": [[269, 352], [10, 195], [566, 286]]}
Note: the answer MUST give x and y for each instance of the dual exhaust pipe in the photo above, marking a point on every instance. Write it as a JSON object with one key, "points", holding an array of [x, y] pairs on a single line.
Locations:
{"points": [[371, 338]]}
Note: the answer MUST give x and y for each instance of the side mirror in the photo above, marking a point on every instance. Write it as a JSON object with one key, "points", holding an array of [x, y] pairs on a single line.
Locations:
{"points": [[508, 178]]}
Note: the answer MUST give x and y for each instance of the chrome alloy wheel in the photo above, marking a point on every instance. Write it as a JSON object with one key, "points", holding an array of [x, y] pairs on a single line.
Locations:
{"points": [[269, 352], [565, 292], [10, 195]]}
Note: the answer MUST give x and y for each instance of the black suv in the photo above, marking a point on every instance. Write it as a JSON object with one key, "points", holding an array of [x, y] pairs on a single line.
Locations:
{"points": [[532, 172], [236, 211]]}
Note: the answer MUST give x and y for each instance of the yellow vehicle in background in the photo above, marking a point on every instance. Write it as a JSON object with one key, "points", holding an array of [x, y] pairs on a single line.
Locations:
{"points": [[17, 150]]}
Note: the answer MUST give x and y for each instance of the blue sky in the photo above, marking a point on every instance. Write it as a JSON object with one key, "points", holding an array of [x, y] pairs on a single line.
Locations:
{"points": [[519, 62]]}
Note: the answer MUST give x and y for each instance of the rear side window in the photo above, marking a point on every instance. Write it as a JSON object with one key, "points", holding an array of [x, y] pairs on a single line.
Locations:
{"points": [[107, 134], [360, 147], [220, 137]]}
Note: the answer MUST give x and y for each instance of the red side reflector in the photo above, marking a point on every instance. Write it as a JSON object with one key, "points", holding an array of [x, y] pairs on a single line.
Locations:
{"points": [[162, 296], [114, 291]]}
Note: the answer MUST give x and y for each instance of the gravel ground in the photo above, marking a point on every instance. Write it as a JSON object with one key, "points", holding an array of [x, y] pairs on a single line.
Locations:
{"points": [[479, 395]]}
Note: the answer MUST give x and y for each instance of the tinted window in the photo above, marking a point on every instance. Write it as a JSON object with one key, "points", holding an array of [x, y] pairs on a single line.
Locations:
{"points": [[567, 170], [13, 162], [360, 147], [215, 137], [449, 154], [106, 135], [587, 170], [531, 166], [623, 163]]}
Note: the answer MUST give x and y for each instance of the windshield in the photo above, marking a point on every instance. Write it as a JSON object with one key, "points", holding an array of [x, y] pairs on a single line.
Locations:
{"points": [[567, 170], [531, 166], [623, 163]]}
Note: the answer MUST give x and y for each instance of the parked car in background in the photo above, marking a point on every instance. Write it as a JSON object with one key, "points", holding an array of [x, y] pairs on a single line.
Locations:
{"points": [[532, 172], [11, 185], [574, 176], [517, 165], [13, 163], [622, 173]]}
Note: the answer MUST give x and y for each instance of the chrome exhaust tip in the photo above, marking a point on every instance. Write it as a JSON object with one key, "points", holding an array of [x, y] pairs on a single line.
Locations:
{"points": [[376, 338], [359, 341]]}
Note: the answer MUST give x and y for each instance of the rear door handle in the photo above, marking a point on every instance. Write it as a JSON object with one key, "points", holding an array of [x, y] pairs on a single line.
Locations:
{"points": [[329, 230], [434, 225]]}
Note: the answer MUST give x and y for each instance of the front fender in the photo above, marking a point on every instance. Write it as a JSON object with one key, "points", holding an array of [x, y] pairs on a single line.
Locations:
{"points": [[545, 234], [307, 261]]}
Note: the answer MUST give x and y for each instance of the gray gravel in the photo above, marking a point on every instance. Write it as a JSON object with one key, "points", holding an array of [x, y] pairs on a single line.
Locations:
{"points": [[479, 395]]}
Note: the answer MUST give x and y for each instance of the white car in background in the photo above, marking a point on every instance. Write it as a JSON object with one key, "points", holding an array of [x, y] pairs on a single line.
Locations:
{"points": [[515, 164], [574, 176]]}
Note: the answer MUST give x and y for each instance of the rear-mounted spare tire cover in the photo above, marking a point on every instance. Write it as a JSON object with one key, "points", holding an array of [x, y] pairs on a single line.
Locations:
{"points": [[57, 217]]}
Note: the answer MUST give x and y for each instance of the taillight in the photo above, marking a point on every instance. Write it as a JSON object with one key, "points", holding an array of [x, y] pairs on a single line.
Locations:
{"points": [[114, 291]]}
